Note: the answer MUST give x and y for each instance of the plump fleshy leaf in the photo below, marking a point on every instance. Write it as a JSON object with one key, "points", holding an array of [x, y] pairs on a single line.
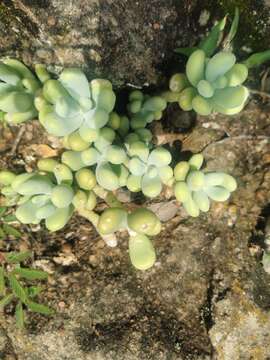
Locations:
{"points": [[151, 187], [159, 157], [217, 193], [26, 213], [106, 177], [230, 97], [141, 251], [201, 200], [191, 207], [59, 219], [219, 64], [111, 220], [237, 75], [75, 82], [195, 67], [201, 106], [185, 98]]}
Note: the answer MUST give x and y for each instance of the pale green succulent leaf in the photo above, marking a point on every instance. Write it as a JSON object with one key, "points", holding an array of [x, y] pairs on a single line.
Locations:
{"points": [[111, 220], [195, 67], [166, 174], [37, 184], [59, 219], [151, 187], [75, 82], [106, 176], [62, 196], [201, 106], [196, 180], [181, 170], [88, 134], [16, 102], [219, 64], [230, 97], [19, 117], [217, 193], [9, 75], [20, 68], [26, 213], [185, 98], [90, 156], [191, 207], [201, 200], [196, 161], [205, 89], [134, 183], [45, 211], [73, 160], [159, 157], [237, 75], [96, 118], [182, 191], [141, 251], [59, 126], [115, 154]]}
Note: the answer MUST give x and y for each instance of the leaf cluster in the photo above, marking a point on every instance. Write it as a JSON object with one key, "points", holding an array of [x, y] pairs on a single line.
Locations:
{"points": [[15, 287]]}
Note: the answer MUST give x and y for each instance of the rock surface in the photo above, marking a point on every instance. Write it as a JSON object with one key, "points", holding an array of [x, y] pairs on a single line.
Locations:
{"points": [[129, 42]]}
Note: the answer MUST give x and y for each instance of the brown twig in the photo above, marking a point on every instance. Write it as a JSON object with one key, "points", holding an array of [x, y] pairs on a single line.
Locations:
{"points": [[17, 139]]}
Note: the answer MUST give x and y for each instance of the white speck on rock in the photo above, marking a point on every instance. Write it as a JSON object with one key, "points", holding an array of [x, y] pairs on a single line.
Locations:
{"points": [[204, 17]]}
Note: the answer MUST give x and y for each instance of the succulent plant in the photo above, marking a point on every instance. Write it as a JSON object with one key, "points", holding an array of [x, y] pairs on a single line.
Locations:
{"points": [[39, 197], [215, 84], [71, 103], [18, 87], [194, 188], [144, 109], [149, 169], [109, 158]]}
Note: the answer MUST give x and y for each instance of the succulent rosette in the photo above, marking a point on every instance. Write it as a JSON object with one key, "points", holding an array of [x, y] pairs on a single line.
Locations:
{"points": [[149, 169], [40, 198], [144, 109], [18, 87], [211, 84], [194, 188], [71, 103], [107, 158]]}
